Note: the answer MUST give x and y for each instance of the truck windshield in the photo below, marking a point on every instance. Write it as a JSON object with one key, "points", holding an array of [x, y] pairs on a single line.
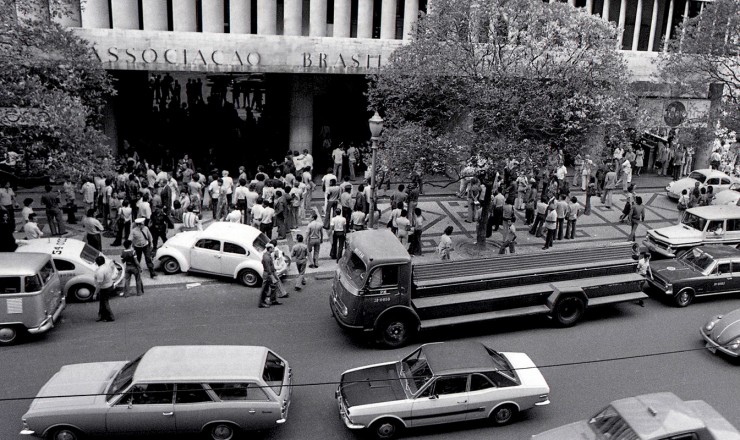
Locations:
{"points": [[356, 269], [698, 259], [694, 221], [608, 424], [415, 371]]}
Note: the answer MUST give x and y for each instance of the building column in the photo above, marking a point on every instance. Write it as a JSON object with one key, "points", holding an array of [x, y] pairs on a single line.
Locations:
{"points": [[605, 10], [653, 26], [683, 29], [410, 15], [213, 16], [342, 18], [293, 17], [154, 13], [95, 14], [572, 3], [184, 17], [266, 17], [301, 115], [590, 6], [317, 13], [32, 10], [67, 14], [638, 25], [671, 5], [365, 18], [388, 20], [125, 14], [240, 17], [620, 23]]}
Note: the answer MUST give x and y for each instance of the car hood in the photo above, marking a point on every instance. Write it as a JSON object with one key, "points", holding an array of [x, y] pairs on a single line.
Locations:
{"points": [[573, 431], [681, 184], [529, 374], [375, 384], [727, 328], [83, 383], [677, 234], [726, 197], [673, 270], [186, 239], [716, 424]]}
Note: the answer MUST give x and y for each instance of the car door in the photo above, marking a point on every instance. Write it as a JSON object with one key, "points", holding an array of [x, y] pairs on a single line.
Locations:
{"points": [[724, 183], [732, 231], [715, 231], [714, 182], [66, 270], [194, 408], [144, 409], [482, 397], [382, 289], [206, 256], [444, 401], [720, 279], [247, 403], [232, 256]]}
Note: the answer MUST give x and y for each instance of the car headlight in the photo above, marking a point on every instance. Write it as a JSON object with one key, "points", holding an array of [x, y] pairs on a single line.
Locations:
{"points": [[669, 288], [734, 345], [710, 325]]}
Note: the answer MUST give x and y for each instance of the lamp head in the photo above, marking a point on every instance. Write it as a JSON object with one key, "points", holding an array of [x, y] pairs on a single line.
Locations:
{"points": [[376, 125]]}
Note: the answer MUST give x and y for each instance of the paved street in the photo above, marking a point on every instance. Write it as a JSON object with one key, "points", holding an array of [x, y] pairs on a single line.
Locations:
{"points": [[303, 331]]}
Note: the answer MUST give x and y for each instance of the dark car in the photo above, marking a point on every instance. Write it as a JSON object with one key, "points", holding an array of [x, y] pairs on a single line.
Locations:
{"points": [[705, 270]]}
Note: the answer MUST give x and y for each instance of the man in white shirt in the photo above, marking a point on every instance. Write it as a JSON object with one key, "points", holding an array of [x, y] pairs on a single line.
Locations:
{"points": [[214, 189], [227, 187], [151, 177], [145, 209], [235, 216], [268, 215], [256, 213], [338, 232], [31, 228], [307, 159], [252, 197], [338, 156]]}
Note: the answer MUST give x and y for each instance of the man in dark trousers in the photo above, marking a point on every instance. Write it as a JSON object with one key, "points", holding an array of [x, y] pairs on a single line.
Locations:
{"points": [[104, 288], [268, 296], [158, 225]]}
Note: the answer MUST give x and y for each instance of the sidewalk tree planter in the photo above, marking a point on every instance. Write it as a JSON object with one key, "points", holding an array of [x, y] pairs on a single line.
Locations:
{"points": [[500, 79]]}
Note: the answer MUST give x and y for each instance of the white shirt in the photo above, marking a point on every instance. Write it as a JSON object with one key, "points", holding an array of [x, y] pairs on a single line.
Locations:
{"points": [[257, 212], [228, 185], [337, 154], [214, 189], [234, 216], [328, 178], [32, 230], [267, 214], [338, 223], [561, 172], [308, 161], [126, 213], [145, 210]]}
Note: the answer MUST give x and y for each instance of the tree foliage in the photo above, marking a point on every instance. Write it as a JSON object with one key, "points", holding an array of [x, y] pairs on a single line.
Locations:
{"points": [[706, 50], [48, 71]]}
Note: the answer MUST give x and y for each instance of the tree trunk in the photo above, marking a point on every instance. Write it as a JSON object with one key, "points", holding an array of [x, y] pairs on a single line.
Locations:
{"points": [[483, 220]]}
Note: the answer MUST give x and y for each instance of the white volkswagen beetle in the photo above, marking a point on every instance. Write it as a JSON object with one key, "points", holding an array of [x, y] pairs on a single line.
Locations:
{"points": [[75, 262], [729, 196], [227, 249], [718, 180]]}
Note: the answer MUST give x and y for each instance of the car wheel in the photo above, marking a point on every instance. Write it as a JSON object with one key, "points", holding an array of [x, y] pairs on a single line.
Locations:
{"points": [[568, 310], [684, 297], [221, 431], [395, 331], [8, 335], [170, 266], [82, 292], [65, 433], [503, 414], [249, 278], [386, 429]]}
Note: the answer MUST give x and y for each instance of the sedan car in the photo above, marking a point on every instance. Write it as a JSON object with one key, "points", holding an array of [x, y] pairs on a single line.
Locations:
{"points": [[706, 177], [228, 249], [658, 416], [75, 262], [440, 383], [722, 333], [730, 196], [216, 390], [704, 270]]}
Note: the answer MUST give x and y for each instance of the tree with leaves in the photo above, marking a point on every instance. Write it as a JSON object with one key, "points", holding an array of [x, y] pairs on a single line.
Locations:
{"points": [[50, 78], [487, 80]]}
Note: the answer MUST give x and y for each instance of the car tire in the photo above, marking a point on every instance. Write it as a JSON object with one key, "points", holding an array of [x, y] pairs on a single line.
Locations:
{"points": [[503, 415], [170, 266], [386, 429], [568, 310], [221, 431], [249, 278], [684, 297], [395, 331], [82, 292], [64, 433], [9, 334]]}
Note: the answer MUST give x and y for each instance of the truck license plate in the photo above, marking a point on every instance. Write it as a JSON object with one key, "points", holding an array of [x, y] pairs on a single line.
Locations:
{"points": [[711, 347]]}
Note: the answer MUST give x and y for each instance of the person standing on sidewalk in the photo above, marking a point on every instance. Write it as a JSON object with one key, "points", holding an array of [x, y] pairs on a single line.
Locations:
{"points": [[637, 216], [530, 202], [53, 213], [550, 224], [31, 228], [103, 289], [578, 168], [131, 268], [159, 223], [338, 230], [539, 220], [574, 211], [590, 192], [561, 209], [141, 238], [639, 161], [7, 201], [315, 233], [509, 240], [610, 182], [338, 156], [299, 255], [268, 295], [444, 248], [586, 171], [683, 203], [93, 230]]}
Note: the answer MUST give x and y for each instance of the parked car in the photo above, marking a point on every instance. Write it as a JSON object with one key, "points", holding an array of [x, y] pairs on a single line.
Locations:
{"points": [[440, 383], [75, 263], [730, 196], [227, 249], [704, 270], [700, 225], [217, 390], [706, 177], [658, 416], [722, 333]]}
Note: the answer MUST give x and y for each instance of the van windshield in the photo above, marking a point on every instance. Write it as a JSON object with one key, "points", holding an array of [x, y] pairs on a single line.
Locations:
{"points": [[694, 221], [356, 269]]}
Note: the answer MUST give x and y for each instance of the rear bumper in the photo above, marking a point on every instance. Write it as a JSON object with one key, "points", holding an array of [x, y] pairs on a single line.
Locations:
{"points": [[713, 346], [48, 323]]}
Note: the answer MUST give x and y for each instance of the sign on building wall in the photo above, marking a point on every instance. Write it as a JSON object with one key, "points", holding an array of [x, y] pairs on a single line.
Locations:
{"points": [[669, 113]]}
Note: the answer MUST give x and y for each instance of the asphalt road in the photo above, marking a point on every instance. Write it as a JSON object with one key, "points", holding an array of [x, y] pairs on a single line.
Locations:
{"points": [[303, 331]]}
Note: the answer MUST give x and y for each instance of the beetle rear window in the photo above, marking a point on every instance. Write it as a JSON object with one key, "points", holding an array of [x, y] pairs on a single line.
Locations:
{"points": [[260, 242], [89, 254]]}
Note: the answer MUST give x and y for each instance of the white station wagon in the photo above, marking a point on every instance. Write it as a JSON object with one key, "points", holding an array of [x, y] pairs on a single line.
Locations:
{"points": [[440, 383], [718, 224], [74, 260], [216, 390], [227, 249]]}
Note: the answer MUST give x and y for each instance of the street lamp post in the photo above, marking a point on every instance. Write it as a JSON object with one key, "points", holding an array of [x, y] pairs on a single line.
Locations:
{"points": [[376, 127]]}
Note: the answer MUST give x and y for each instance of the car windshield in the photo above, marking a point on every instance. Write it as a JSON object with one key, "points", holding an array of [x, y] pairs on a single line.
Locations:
{"points": [[694, 221], [260, 242], [698, 176], [415, 371], [123, 378], [356, 269], [608, 424], [89, 254], [698, 259]]}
